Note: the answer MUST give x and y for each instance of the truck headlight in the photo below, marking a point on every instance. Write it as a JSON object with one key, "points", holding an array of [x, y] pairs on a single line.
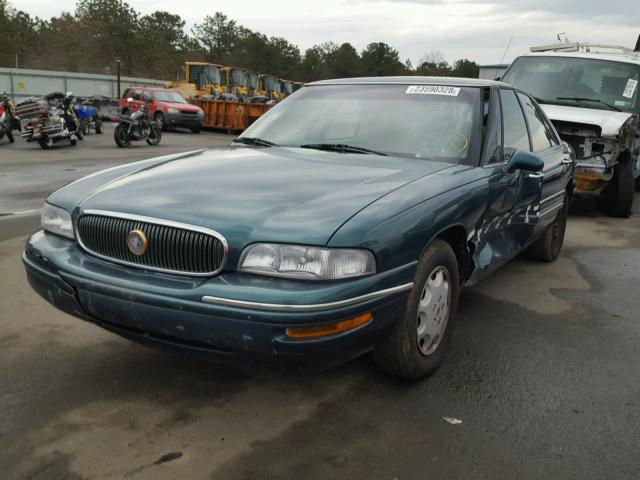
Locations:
{"points": [[310, 263], [57, 220], [172, 110]]}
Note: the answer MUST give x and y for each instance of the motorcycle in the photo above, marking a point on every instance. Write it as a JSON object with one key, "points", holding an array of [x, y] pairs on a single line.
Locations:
{"points": [[49, 120], [88, 118], [137, 126]]}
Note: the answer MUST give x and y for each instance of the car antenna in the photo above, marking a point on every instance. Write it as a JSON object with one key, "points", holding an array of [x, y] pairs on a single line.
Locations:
{"points": [[506, 49]]}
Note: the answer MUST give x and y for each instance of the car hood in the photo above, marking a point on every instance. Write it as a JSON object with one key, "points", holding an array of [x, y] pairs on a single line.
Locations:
{"points": [[185, 107], [609, 122], [269, 194]]}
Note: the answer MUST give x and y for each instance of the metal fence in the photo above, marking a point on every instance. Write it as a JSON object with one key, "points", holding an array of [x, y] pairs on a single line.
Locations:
{"points": [[20, 83]]}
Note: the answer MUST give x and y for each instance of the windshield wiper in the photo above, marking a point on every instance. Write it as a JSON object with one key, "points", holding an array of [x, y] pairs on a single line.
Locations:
{"points": [[341, 147], [258, 142], [541, 100], [595, 100]]}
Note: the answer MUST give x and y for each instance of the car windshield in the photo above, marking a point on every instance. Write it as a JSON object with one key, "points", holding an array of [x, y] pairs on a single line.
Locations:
{"points": [[589, 83], [416, 121], [169, 97]]}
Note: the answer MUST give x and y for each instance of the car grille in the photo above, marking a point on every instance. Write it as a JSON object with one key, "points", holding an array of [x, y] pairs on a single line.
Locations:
{"points": [[172, 247]]}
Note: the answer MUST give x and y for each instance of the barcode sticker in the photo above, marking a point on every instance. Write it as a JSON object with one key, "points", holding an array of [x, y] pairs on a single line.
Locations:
{"points": [[630, 89], [432, 90]]}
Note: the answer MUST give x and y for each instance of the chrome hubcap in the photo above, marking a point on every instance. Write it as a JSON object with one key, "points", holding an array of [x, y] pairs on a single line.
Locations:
{"points": [[433, 310]]}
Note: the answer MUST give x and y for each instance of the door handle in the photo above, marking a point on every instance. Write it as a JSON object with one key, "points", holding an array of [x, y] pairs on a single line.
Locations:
{"points": [[566, 161], [535, 175]]}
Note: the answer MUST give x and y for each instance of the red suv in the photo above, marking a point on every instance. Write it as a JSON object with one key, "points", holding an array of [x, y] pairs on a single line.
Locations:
{"points": [[167, 107]]}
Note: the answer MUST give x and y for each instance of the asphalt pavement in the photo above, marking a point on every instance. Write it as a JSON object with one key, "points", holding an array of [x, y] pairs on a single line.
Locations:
{"points": [[28, 174], [542, 374]]}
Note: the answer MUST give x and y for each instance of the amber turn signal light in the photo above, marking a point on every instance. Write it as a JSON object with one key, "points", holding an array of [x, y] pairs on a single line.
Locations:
{"points": [[326, 330]]}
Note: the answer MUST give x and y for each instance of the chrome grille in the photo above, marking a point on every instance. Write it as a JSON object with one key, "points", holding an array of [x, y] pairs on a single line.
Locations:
{"points": [[172, 247]]}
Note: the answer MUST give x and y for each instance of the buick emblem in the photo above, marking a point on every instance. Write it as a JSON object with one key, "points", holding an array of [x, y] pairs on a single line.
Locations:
{"points": [[137, 242]]}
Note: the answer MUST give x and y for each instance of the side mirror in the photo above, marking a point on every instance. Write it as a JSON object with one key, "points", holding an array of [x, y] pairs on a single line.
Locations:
{"points": [[526, 161]]}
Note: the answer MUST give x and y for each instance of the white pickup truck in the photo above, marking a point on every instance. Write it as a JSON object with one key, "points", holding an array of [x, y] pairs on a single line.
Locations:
{"points": [[591, 94]]}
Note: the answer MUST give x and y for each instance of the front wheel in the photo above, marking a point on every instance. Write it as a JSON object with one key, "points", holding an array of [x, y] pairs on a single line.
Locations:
{"points": [[159, 119], [121, 136], [547, 247], [155, 135], [616, 199], [416, 344]]}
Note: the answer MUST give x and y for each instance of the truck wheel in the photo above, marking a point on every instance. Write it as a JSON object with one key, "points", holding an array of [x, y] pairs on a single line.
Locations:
{"points": [[416, 344], [616, 199], [548, 246], [45, 142]]}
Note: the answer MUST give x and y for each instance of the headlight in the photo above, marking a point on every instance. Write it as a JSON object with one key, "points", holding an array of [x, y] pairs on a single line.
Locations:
{"points": [[172, 110], [57, 220], [312, 263]]}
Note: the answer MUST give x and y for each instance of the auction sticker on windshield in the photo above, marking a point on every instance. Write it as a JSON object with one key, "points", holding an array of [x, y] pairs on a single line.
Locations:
{"points": [[630, 88], [432, 90]]}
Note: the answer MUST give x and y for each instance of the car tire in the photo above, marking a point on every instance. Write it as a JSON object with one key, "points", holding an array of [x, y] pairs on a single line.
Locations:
{"points": [[159, 119], [45, 142], [547, 248], [196, 130], [416, 344], [616, 199]]}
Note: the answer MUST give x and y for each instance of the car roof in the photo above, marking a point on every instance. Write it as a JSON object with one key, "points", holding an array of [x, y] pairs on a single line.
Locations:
{"points": [[625, 57], [155, 89], [413, 80]]}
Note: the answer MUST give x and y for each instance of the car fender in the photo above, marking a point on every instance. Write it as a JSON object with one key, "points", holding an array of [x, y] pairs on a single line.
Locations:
{"points": [[399, 237]]}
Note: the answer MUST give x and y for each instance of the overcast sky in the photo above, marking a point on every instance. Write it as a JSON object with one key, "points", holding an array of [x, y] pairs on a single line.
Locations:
{"points": [[476, 29]]}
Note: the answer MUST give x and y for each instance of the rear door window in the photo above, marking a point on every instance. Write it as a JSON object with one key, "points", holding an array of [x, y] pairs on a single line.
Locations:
{"points": [[514, 126], [146, 96], [539, 133]]}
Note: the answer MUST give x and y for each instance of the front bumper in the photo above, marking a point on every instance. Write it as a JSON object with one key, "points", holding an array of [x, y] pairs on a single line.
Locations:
{"points": [[172, 313], [184, 120]]}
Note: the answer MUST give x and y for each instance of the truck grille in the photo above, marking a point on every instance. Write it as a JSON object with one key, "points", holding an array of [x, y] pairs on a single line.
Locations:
{"points": [[171, 247]]}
